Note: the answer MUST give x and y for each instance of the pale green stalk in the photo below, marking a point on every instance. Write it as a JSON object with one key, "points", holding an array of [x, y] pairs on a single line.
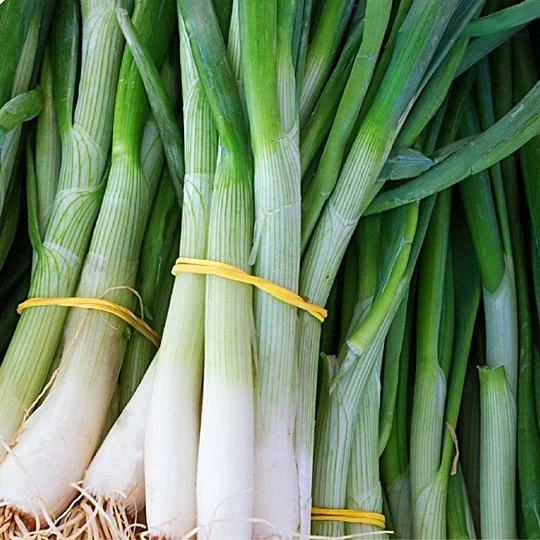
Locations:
{"points": [[497, 447], [85, 143], [489, 231], [364, 490], [158, 253], [459, 522], [47, 148], [395, 458], [415, 46], [266, 40]]}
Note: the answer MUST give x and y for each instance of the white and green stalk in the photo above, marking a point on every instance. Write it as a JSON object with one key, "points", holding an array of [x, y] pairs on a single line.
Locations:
{"points": [[497, 446], [416, 44], [86, 136], [363, 488], [266, 44], [489, 232], [225, 494], [37, 475], [172, 433], [428, 488], [115, 478], [154, 281], [395, 458], [158, 253]]}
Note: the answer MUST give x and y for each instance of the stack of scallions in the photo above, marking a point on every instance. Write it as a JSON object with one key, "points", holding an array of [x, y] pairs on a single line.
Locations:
{"points": [[269, 269]]}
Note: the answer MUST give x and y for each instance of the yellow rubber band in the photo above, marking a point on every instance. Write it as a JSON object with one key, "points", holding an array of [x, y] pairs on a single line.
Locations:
{"points": [[202, 266], [348, 515], [100, 305]]}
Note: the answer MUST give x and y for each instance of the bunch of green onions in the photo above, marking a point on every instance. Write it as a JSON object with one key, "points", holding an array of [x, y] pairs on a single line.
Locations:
{"points": [[377, 157]]}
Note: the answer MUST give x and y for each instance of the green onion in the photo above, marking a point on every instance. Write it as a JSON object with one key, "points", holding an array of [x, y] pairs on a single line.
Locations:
{"points": [[357, 365], [227, 423], [85, 144], [498, 387], [428, 487], [497, 454], [154, 280], [266, 31], [172, 509], [528, 430], [320, 122], [459, 517], [395, 458], [76, 405]]}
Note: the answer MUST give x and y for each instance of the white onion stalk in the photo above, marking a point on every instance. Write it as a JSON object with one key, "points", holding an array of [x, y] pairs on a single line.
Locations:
{"points": [[172, 433], [271, 104], [112, 492], [56, 444], [225, 459]]}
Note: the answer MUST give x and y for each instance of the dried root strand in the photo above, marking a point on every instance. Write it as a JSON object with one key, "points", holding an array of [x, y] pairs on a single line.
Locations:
{"points": [[98, 518], [17, 525]]}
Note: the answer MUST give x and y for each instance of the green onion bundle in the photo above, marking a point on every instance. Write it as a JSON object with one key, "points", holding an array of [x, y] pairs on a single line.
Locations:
{"points": [[346, 194]]}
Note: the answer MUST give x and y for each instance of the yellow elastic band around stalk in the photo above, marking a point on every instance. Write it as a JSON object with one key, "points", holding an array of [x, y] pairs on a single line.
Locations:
{"points": [[348, 515], [214, 268], [100, 305]]}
